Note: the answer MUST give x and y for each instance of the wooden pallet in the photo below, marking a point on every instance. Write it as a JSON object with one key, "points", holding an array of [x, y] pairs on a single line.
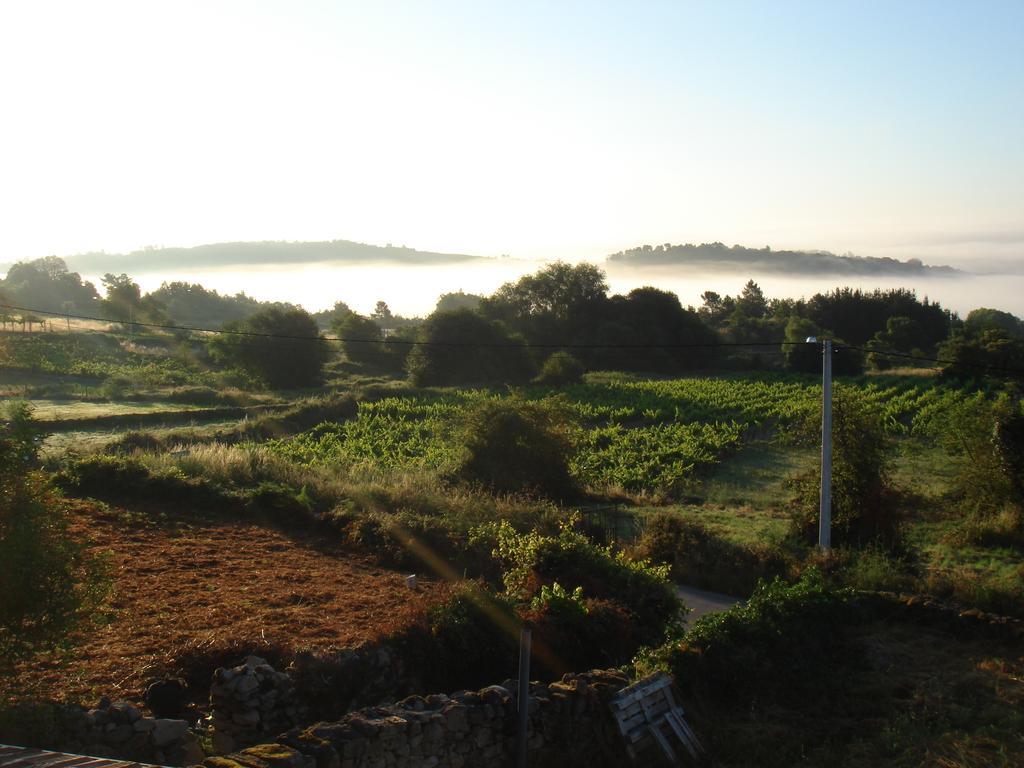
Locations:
{"points": [[23, 757], [647, 713]]}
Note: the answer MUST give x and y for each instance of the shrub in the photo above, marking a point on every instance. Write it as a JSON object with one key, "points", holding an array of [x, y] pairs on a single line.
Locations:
{"points": [[282, 347], [126, 477], [864, 502], [701, 559], [533, 560], [560, 369], [49, 581], [362, 338], [472, 638], [463, 347], [986, 440], [513, 445], [778, 643], [115, 388]]}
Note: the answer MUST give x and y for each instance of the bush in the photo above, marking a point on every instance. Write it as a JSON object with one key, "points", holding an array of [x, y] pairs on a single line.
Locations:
{"points": [[49, 581], [534, 560], [986, 439], [561, 369], [472, 639], [362, 339], [779, 643], [282, 347], [463, 347], [701, 559], [864, 502], [513, 445]]}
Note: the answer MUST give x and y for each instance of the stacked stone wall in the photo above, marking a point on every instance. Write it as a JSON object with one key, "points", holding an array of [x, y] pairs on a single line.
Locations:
{"points": [[570, 723], [119, 730]]}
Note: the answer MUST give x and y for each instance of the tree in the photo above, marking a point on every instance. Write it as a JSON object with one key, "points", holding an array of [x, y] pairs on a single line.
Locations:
{"points": [[448, 302], [49, 581], [361, 338], [561, 300], [124, 302], [47, 284], [561, 369], [462, 347], [192, 304], [329, 318], [382, 314], [751, 302], [989, 351], [864, 509], [800, 355], [282, 347], [654, 333]]}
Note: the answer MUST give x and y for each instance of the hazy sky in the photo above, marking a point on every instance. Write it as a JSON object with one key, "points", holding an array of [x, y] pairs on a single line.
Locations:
{"points": [[534, 129]]}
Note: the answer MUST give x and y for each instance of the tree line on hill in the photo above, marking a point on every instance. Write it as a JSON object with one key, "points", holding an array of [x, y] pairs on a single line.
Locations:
{"points": [[717, 256], [563, 315]]}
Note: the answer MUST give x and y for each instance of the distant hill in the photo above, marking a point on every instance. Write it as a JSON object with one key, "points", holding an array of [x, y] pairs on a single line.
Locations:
{"points": [[718, 257], [243, 254]]}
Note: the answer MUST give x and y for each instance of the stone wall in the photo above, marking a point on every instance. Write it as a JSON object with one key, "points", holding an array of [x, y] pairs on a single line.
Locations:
{"points": [[252, 702], [118, 730], [569, 724]]}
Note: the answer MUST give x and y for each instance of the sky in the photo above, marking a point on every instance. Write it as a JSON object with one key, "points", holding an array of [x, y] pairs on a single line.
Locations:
{"points": [[533, 129]]}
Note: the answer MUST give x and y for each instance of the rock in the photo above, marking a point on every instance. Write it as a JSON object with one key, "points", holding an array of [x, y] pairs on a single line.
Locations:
{"points": [[274, 755], [168, 731], [126, 711], [249, 717], [166, 698], [222, 743], [247, 684], [254, 661], [192, 752], [119, 734]]}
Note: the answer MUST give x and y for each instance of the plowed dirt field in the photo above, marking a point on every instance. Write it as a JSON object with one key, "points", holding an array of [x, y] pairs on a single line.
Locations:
{"points": [[189, 591]]}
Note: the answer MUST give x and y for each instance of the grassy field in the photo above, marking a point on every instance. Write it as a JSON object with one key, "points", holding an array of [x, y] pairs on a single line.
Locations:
{"points": [[51, 411], [292, 529]]}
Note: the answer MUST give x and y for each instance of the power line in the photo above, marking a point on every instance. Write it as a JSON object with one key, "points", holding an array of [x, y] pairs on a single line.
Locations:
{"points": [[510, 345], [410, 342]]}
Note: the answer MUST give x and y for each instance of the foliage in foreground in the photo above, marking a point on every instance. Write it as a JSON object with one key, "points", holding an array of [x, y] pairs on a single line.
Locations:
{"points": [[812, 675], [513, 445], [48, 582], [864, 502]]}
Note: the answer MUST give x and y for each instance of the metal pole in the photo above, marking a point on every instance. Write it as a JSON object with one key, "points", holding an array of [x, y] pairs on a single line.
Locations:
{"points": [[825, 519], [524, 696]]}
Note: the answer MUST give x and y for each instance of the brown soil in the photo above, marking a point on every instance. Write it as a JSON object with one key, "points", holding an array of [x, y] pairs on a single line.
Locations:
{"points": [[191, 589]]}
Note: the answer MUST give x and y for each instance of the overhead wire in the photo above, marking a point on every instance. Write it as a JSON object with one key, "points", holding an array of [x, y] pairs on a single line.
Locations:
{"points": [[509, 345]]}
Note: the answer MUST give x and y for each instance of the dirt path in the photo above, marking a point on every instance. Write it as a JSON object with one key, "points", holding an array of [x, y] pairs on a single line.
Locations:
{"points": [[188, 588], [701, 602]]}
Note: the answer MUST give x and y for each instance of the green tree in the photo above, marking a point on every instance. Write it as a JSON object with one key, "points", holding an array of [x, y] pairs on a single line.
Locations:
{"points": [[282, 347], [49, 580], [124, 301], [48, 284], [560, 369], [560, 302], [462, 347], [448, 302], [361, 339], [864, 503]]}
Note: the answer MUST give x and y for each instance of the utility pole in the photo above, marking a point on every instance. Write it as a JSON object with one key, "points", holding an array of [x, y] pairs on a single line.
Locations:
{"points": [[825, 508], [523, 698]]}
